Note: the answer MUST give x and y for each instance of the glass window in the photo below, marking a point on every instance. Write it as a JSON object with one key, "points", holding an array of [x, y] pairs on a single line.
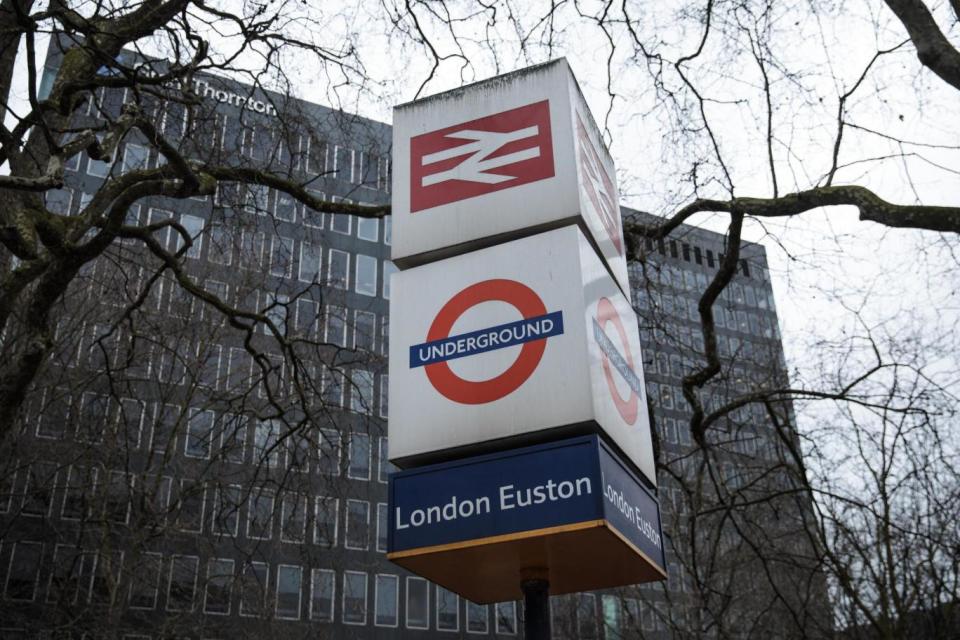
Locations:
{"points": [[59, 200], [266, 443], [329, 452], [448, 610], [386, 597], [611, 617], [226, 510], [322, 591], [99, 168], [388, 270], [477, 618], [183, 583], [55, 414], [338, 269], [219, 586], [288, 591], [365, 331], [336, 326], [384, 395], [257, 197], [361, 391], [366, 281], [251, 250], [144, 581], [385, 467], [194, 228], [293, 517], [354, 597], [38, 490], [332, 387], [284, 206], [587, 616], [340, 222], [418, 603], [387, 230], [260, 514], [233, 442], [312, 218], [199, 434], [310, 256], [368, 229], [76, 501], [191, 500], [281, 256], [24, 571], [358, 523], [253, 588], [118, 497], [506, 618], [221, 244], [308, 312], [276, 310], [359, 467], [382, 527], [325, 522]]}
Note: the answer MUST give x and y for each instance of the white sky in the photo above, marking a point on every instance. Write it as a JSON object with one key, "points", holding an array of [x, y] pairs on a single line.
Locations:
{"points": [[824, 263]]}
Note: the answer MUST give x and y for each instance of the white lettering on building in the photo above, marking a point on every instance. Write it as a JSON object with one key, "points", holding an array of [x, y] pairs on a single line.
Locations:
{"points": [[206, 90]]}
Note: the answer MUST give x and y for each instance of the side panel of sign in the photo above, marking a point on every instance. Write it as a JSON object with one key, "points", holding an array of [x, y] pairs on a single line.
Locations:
{"points": [[599, 196], [528, 489], [616, 365], [488, 345], [631, 509]]}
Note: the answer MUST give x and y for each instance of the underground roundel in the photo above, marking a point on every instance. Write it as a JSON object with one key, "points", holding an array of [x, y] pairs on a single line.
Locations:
{"points": [[617, 359], [532, 332]]}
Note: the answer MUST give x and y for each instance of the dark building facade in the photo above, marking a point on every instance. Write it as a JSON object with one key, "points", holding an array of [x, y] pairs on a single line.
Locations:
{"points": [[216, 467]]}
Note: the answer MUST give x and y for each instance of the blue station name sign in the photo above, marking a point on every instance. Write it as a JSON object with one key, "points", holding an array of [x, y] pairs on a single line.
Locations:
{"points": [[472, 525]]}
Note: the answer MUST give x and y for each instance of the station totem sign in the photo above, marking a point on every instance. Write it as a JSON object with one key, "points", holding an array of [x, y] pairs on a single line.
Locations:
{"points": [[517, 404]]}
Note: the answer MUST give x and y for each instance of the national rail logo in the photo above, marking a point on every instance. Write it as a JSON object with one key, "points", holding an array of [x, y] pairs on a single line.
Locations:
{"points": [[473, 158], [623, 364], [599, 186], [532, 332]]}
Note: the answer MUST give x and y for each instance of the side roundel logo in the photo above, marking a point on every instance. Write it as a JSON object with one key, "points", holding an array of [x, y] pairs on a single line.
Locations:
{"points": [[617, 361]]}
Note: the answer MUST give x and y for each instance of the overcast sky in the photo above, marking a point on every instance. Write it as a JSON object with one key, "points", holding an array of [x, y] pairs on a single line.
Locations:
{"points": [[825, 264]]}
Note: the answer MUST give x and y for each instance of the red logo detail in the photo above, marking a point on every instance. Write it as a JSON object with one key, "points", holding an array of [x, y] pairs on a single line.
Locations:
{"points": [[485, 155], [600, 188], [455, 388], [628, 408]]}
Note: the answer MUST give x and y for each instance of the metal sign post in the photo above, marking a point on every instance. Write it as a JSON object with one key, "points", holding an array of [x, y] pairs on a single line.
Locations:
{"points": [[536, 608]]}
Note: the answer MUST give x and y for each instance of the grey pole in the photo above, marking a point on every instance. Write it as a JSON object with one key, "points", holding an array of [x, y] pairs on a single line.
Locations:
{"points": [[536, 609]]}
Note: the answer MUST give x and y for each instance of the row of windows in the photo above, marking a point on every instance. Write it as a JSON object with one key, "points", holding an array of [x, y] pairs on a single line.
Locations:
{"points": [[695, 281], [215, 132], [193, 506], [700, 256], [725, 318], [204, 433], [262, 252], [248, 588], [212, 366]]}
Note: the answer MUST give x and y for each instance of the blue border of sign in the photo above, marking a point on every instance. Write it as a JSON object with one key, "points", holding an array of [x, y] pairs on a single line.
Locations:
{"points": [[521, 492]]}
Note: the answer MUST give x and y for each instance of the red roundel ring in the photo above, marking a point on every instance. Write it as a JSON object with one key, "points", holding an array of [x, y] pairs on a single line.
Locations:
{"points": [[628, 408], [455, 388]]}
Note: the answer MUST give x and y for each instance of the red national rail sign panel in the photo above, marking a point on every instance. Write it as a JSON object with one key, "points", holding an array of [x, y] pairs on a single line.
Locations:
{"points": [[496, 152]]}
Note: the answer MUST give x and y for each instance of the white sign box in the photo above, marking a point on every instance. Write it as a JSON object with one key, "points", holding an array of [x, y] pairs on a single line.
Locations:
{"points": [[507, 157], [521, 340]]}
